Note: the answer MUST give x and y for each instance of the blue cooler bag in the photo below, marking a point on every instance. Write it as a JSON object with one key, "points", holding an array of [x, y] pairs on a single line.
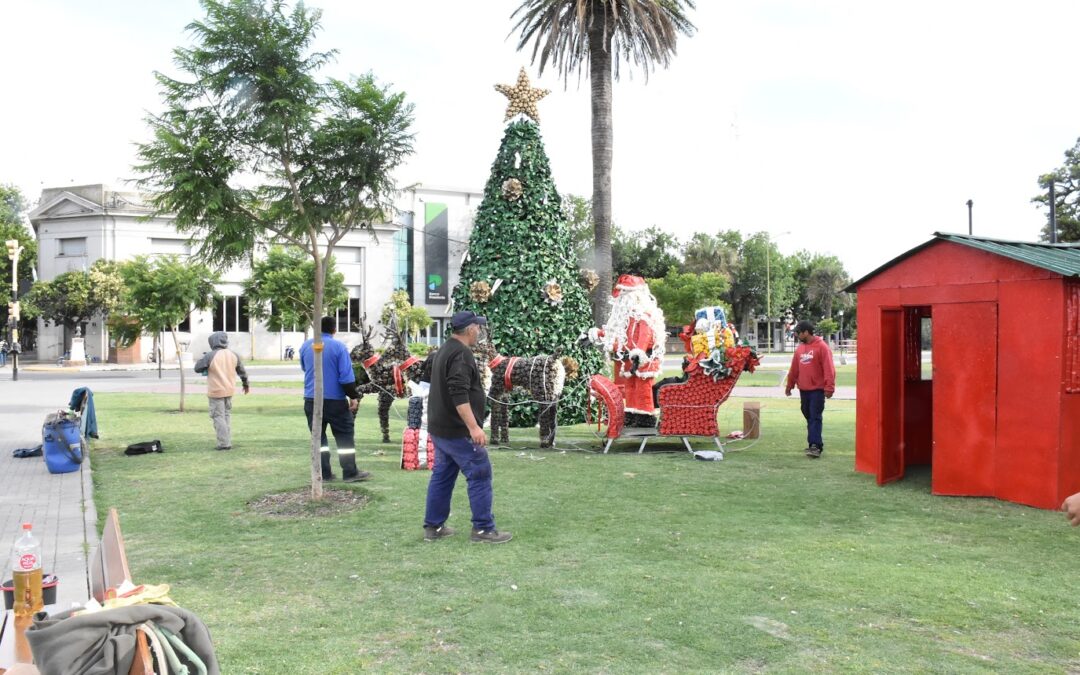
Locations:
{"points": [[61, 442]]}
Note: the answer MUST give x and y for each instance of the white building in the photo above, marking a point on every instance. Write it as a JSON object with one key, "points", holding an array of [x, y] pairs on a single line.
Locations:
{"points": [[78, 225]]}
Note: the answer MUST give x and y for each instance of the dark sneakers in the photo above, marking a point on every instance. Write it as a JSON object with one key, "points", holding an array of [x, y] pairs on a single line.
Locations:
{"points": [[433, 532], [356, 478], [490, 537], [813, 452]]}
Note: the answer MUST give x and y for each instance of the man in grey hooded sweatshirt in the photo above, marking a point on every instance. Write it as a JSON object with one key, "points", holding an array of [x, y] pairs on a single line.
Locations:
{"points": [[221, 365]]}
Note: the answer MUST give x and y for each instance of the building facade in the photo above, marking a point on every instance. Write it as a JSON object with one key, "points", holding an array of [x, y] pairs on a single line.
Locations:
{"points": [[78, 225]]}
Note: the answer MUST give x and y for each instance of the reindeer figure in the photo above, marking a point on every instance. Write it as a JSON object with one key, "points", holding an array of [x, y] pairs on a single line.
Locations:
{"points": [[388, 373], [542, 376]]}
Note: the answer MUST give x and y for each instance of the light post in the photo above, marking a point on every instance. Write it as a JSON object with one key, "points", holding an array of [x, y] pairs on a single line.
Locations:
{"points": [[843, 359], [14, 250], [768, 289]]}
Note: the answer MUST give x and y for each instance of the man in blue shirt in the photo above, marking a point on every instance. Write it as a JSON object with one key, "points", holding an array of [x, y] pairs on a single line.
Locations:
{"points": [[339, 385]]}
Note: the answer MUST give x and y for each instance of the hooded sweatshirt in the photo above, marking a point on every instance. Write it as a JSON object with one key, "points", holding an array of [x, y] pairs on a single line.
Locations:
{"points": [[812, 367], [221, 366]]}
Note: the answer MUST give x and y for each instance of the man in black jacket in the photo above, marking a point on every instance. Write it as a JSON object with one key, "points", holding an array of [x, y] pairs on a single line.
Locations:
{"points": [[455, 409]]}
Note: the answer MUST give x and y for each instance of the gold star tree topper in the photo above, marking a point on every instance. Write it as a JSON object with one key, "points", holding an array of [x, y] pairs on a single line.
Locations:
{"points": [[523, 98]]}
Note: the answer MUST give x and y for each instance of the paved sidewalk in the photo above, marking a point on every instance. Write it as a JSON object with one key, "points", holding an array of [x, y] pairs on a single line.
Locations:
{"points": [[60, 506]]}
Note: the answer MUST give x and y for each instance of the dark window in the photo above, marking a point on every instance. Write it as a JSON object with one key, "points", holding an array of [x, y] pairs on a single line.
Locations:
{"points": [[185, 325], [231, 314]]}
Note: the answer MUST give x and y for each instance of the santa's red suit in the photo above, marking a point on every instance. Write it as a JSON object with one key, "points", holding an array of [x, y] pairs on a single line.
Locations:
{"points": [[634, 336]]}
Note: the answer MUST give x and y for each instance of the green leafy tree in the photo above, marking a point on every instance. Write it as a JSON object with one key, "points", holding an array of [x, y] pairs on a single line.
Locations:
{"points": [[281, 289], [826, 285], [827, 328], [708, 253], [409, 318], [252, 147], [649, 253], [524, 242], [680, 294], [1066, 180], [159, 295], [600, 37], [765, 283], [13, 226], [74, 298]]}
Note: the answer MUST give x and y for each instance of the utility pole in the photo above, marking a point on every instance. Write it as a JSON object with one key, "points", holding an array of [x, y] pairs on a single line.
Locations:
{"points": [[1053, 212], [969, 203], [14, 250]]}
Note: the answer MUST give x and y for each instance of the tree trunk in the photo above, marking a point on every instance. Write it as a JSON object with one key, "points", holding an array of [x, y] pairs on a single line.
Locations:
{"points": [[317, 364], [180, 362], [600, 82]]}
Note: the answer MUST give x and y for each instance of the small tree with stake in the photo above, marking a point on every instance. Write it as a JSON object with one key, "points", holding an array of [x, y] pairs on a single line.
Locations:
{"points": [[158, 296], [251, 147]]}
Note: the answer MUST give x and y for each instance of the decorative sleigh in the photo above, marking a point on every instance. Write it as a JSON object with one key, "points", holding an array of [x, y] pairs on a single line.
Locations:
{"points": [[687, 408]]}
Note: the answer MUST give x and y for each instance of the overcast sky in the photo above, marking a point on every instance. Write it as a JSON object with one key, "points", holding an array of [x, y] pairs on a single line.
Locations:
{"points": [[843, 126]]}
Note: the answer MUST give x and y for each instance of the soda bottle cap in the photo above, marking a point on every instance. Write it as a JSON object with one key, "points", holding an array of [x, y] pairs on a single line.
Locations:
{"points": [[27, 526]]}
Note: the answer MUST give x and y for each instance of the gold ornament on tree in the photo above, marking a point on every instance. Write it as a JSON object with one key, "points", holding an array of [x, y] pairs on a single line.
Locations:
{"points": [[573, 369], [512, 189], [553, 293], [523, 97], [480, 291], [589, 280]]}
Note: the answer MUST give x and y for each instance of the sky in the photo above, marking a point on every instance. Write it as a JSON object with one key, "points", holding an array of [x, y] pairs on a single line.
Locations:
{"points": [[844, 127]]}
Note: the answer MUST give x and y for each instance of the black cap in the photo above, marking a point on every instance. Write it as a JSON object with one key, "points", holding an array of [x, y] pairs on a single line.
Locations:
{"points": [[466, 318], [804, 326]]}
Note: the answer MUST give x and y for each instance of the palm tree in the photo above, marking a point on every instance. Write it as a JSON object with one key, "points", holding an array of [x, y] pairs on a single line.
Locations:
{"points": [[601, 35], [826, 286], [706, 253]]}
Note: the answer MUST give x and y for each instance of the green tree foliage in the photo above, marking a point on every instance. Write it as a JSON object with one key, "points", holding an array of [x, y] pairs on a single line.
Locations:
{"points": [[281, 289], [525, 243], [602, 36], [77, 297], [765, 281], [252, 147], [649, 253], [410, 319], [680, 294], [819, 282], [13, 226], [159, 295], [827, 328], [711, 253], [1067, 197]]}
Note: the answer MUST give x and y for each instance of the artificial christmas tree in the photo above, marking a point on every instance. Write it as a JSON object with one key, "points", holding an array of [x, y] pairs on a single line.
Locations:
{"points": [[520, 272]]}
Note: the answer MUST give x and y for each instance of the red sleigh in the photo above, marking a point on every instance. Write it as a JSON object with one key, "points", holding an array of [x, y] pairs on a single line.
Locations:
{"points": [[686, 408]]}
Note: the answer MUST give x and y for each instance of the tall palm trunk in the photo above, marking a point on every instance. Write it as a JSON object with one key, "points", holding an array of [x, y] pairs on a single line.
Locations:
{"points": [[600, 82], [317, 364]]}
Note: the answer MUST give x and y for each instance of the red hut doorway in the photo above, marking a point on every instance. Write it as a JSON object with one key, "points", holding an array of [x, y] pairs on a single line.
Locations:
{"points": [[941, 412]]}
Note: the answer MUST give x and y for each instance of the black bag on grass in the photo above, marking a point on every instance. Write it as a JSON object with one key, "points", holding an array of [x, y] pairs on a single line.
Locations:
{"points": [[143, 448]]}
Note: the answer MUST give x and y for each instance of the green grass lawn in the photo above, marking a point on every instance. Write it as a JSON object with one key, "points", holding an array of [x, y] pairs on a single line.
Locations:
{"points": [[620, 563]]}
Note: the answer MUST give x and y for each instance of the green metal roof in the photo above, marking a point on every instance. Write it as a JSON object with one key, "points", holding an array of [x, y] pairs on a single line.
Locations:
{"points": [[1064, 259]]}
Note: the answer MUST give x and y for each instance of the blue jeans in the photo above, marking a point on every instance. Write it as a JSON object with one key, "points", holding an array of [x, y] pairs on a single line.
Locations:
{"points": [[453, 456], [813, 407]]}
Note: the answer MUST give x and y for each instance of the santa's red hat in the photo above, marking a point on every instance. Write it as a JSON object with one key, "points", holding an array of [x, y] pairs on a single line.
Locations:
{"points": [[627, 282]]}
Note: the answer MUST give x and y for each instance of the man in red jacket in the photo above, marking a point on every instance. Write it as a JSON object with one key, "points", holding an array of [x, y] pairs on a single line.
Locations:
{"points": [[812, 371]]}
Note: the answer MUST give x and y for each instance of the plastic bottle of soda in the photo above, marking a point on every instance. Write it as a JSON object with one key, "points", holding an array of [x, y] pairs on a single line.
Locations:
{"points": [[26, 572]]}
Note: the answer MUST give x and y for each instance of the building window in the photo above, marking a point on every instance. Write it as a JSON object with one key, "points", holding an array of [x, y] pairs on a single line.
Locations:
{"points": [[163, 246], [231, 314], [403, 246], [74, 246], [348, 317], [185, 325]]}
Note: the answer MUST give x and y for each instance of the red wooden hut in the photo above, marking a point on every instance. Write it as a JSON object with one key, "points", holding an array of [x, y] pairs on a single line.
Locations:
{"points": [[996, 411]]}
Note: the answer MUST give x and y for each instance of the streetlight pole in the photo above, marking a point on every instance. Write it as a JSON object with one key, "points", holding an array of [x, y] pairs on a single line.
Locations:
{"points": [[768, 289], [969, 205], [843, 359], [13, 307]]}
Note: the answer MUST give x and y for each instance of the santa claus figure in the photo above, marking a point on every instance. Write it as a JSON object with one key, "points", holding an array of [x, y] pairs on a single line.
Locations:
{"points": [[634, 336]]}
